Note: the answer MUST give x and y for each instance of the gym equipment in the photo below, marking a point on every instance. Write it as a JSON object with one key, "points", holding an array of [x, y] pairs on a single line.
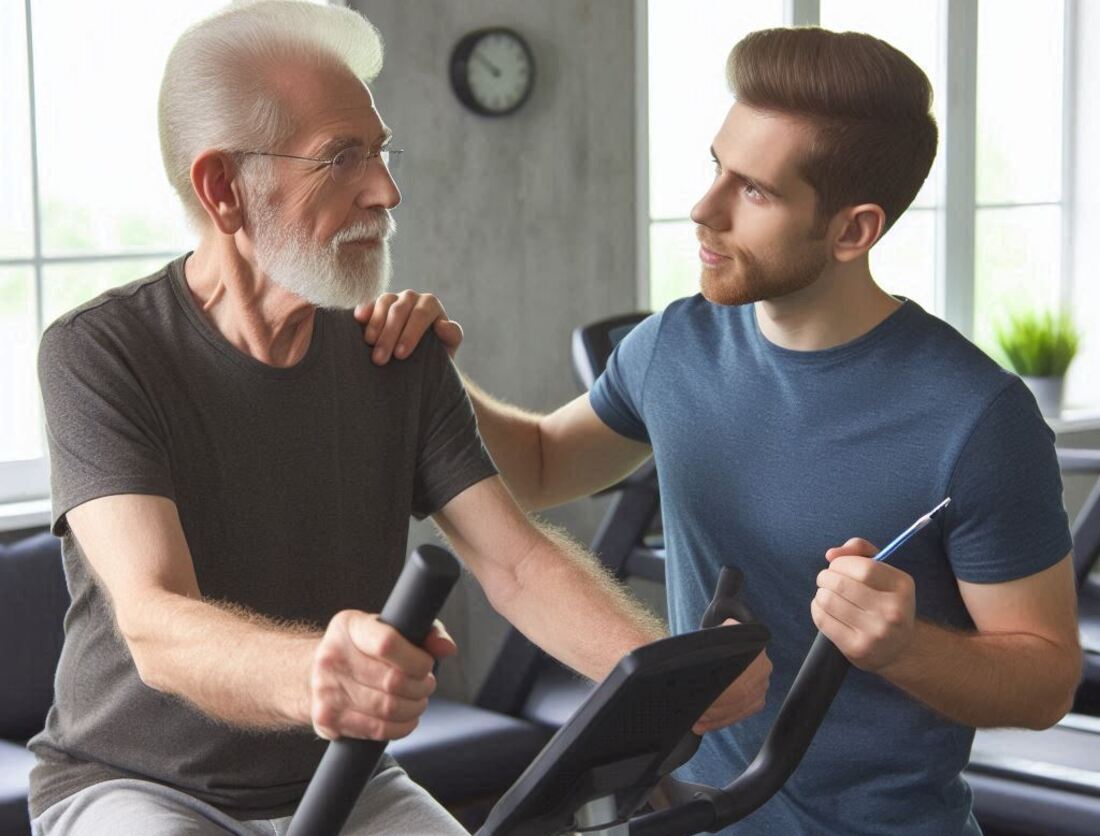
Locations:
{"points": [[628, 734], [626, 738], [633, 731], [348, 764], [587, 781]]}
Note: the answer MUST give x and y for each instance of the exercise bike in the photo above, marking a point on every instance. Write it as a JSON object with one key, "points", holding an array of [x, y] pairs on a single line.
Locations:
{"points": [[616, 754]]}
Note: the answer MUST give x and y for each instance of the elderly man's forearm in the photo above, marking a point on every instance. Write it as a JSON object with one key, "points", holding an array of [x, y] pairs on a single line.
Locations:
{"points": [[567, 603], [231, 664]]}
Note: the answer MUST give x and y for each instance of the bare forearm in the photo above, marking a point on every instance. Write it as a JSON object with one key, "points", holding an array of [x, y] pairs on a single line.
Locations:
{"points": [[988, 680], [567, 603], [233, 665], [512, 436]]}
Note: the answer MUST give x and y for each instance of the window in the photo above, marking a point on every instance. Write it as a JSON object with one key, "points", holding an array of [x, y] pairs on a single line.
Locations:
{"points": [[85, 203], [687, 99], [905, 261], [994, 234], [1019, 216]]}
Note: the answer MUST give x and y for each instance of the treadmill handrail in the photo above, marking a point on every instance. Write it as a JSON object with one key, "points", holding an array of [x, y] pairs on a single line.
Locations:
{"points": [[1078, 460]]}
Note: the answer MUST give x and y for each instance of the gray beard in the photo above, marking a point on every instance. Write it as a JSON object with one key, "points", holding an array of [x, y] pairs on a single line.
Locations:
{"points": [[323, 274]]}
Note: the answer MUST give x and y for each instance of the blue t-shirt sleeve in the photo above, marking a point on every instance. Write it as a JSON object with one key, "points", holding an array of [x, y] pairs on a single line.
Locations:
{"points": [[617, 396], [1006, 518]]}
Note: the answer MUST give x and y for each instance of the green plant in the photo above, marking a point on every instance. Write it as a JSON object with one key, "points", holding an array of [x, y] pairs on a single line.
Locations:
{"points": [[1039, 344]]}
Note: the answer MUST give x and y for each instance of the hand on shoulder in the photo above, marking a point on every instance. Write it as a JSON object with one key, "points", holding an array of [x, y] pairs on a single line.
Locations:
{"points": [[395, 323]]}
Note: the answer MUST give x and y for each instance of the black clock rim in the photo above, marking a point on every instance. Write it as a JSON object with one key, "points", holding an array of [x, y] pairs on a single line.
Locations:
{"points": [[460, 57]]}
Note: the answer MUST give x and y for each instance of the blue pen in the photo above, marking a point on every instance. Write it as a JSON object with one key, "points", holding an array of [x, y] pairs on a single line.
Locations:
{"points": [[900, 540]]}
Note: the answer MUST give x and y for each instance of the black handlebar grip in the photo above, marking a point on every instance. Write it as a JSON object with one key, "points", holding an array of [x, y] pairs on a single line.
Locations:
{"points": [[726, 602], [420, 591], [348, 763]]}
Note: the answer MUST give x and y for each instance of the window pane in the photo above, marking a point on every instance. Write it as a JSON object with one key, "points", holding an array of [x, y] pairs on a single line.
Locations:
{"points": [[103, 186], [19, 426], [904, 261], [914, 28], [64, 286], [1019, 142], [16, 216], [673, 262], [1083, 377], [1018, 265], [688, 96]]}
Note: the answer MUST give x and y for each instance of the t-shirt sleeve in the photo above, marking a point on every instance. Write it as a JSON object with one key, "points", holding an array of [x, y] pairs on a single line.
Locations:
{"points": [[102, 431], [617, 396], [1006, 519], [451, 456]]}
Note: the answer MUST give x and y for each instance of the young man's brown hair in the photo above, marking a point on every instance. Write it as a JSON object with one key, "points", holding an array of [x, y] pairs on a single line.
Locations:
{"points": [[868, 105]]}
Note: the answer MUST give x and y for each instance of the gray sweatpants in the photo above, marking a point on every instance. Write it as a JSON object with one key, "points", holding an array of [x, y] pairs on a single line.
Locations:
{"points": [[391, 804]]}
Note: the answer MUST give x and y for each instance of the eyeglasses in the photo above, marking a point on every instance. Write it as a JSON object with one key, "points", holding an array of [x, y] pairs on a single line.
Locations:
{"points": [[345, 166]]}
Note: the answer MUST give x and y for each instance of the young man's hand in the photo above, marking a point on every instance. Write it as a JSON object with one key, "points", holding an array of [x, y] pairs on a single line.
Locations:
{"points": [[743, 698], [867, 609], [396, 322], [366, 681]]}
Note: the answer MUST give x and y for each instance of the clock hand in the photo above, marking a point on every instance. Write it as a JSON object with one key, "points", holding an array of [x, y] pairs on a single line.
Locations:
{"points": [[493, 68]]}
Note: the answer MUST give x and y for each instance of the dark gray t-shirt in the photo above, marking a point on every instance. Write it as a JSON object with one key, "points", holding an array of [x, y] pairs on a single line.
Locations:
{"points": [[294, 487]]}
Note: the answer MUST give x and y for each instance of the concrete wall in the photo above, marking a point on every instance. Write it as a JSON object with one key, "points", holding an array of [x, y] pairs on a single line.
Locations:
{"points": [[523, 225]]}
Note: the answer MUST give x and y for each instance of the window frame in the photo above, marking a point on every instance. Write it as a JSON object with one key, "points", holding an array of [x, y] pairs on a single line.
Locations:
{"points": [[24, 483], [27, 480]]}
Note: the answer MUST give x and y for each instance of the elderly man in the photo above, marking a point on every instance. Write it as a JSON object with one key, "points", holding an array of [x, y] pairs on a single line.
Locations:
{"points": [[231, 472]]}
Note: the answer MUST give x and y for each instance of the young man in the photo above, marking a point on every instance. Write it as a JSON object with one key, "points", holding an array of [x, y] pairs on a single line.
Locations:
{"points": [[793, 404], [233, 477]]}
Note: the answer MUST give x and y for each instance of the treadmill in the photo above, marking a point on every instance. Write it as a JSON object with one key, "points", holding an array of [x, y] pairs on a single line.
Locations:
{"points": [[1025, 783], [1048, 782]]}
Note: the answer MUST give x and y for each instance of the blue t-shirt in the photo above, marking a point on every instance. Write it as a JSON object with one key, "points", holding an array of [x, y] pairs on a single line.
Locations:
{"points": [[767, 457]]}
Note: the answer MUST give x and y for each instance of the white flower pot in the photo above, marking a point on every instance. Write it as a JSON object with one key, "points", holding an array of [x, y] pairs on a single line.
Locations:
{"points": [[1048, 392]]}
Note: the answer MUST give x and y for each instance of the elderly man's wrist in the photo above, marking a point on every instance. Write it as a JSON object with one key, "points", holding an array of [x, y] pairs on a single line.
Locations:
{"points": [[297, 708]]}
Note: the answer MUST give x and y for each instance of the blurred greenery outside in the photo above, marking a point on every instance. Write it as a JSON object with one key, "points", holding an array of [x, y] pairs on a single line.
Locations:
{"points": [[73, 230]]}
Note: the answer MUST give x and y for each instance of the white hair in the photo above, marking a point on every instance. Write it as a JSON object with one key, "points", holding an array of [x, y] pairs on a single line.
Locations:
{"points": [[217, 90]]}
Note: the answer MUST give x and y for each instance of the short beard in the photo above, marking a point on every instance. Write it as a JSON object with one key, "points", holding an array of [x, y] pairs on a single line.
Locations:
{"points": [[323, 274], [745, 279]]}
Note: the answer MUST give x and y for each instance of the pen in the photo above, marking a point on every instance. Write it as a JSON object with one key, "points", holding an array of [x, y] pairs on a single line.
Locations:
{"points": [[900, 540]]}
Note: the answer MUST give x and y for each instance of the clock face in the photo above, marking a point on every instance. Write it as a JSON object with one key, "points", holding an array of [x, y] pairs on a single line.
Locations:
{"points": [[494, 73]]}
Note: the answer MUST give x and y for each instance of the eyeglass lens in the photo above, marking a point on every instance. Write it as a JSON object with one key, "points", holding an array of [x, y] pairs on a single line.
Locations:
{"points": [[350, 163]]}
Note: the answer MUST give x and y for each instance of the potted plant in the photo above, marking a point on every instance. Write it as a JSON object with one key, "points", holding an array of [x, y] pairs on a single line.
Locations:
{"points": [[1040, 347]]}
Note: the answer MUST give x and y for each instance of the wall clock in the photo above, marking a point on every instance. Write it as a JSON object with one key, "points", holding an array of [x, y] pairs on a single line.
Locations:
{"points": [[492, 71]]}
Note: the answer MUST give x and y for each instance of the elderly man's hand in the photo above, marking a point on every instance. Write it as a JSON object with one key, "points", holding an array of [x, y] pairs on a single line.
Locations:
{"points": [[866, 608], [367, 681], [743, 698], [396, 322]]}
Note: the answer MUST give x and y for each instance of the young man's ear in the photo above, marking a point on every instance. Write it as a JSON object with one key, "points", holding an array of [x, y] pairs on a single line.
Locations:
{"points": [[214, 179], [859, 228]]}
